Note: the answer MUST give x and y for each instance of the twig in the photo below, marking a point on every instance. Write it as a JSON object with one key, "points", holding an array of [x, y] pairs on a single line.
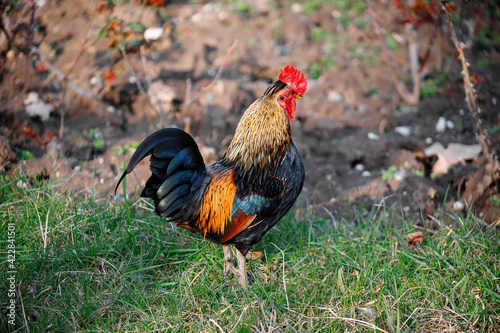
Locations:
{"points": [[187, 105], [9, 39], [44, 236], [31, 35], [138, 82], [219, 72], [76, 88], [239, 318], [195, 278], [337, 317], [284, 281], [84, 44], [150, 82], [216, 324], [189, 95], [410, 98], [333, 218], [470, 95], [22, 307], [437, 24]]}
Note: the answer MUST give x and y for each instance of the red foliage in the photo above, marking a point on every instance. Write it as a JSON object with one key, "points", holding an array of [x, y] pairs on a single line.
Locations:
{"points": [[114, 25], [109, 76], [420, 11], [157, 3], [476, 78], [108, 6], [42, 140]]}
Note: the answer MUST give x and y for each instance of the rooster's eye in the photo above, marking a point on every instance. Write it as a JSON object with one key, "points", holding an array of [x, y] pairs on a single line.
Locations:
{"points": [[287, 94]]}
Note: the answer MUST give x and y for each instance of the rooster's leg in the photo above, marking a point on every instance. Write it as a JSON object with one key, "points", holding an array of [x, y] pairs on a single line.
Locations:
{"points": [[228, 260], [229, 267], [242, 270]]}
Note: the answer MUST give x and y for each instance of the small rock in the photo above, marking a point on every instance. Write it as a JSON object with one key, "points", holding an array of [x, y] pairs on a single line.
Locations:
{"points": [[399, 176], [151, 34], [450, 124], [21, 184], [366, 173], [196, 17], [336, 14], [96, 81], [36, 107], [403, 131], [406, 209], [362, 108], [458, 206], [373, 136], [428, 140], [32, 98], [163, 94], [296, 8], [335, 96], [359, 167], [441, 125], [10, 55]]}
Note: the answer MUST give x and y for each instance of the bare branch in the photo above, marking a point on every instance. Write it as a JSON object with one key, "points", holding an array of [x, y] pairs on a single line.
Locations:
{"points": [[139, 83], [470, 95], [7, 35], [410, 98], [219, 72], [76, 88], [150, 82], [189, 94]]}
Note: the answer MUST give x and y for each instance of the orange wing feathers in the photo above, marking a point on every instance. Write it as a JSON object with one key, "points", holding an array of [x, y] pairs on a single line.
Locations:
{"points": [[217, 204], [238, 225]]}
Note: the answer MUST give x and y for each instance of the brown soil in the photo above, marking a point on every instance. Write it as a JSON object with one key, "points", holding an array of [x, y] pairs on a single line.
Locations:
{"points": [[347, 101]]}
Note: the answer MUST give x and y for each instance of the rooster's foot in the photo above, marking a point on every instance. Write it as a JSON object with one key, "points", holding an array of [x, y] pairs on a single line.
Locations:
{"points": [[255, 254], [241, 271]]}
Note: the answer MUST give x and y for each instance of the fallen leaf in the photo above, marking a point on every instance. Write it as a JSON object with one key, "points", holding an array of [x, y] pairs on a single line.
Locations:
{"points": [[453, 154], [109, 76], [431, 193], [415, 238]]}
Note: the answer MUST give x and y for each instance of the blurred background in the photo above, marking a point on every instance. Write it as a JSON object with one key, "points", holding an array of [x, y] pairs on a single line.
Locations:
{"points": [[385, 120]]}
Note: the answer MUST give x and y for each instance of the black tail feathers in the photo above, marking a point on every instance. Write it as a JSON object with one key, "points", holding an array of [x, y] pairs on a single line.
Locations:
{"points": [[177, 171]]}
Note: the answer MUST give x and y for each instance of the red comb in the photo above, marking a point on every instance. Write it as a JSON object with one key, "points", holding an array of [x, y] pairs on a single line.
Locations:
{"points": [[294, 78]]}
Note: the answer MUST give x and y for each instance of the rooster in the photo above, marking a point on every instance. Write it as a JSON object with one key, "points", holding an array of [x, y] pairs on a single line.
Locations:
{"points": [[238, 199]]}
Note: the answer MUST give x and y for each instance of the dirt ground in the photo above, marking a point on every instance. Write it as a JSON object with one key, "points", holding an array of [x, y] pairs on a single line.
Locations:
{"points": [[360, 143]]}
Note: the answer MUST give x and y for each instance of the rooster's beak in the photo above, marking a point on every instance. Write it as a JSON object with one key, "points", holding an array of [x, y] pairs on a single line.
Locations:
{"points": [[298, 96]]}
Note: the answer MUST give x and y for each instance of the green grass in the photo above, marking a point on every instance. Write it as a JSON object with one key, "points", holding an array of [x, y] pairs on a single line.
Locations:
{"points": [[94, 265]]}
